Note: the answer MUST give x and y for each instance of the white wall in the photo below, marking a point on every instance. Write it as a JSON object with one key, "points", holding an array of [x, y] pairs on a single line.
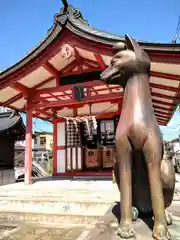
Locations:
{"points": [[61, 158]]}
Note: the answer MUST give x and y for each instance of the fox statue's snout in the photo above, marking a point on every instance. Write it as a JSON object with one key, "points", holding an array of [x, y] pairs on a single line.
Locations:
{"points": [[129, 59]]}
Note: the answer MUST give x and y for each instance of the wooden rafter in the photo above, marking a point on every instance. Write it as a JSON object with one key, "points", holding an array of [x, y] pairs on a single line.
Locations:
{"points": [[163, 87], [165, 75], [11, 100], [161, 102]]}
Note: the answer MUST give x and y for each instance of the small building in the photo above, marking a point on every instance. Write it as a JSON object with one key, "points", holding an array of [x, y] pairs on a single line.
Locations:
{"points": [[59, 81], [11, 129], [176, 144], [42, 145]]}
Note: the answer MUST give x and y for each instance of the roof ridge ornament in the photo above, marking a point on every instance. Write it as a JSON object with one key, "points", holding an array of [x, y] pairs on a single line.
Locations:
{"points": [[69, 12], [65, 3]]}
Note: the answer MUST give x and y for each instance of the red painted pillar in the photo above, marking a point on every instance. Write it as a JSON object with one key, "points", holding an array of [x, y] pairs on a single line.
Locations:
{"points": [[54, 147], [28, 150]]}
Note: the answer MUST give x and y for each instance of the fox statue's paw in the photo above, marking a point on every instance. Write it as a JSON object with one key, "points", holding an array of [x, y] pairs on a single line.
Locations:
{"points": [[161, 232], [126, 231]]}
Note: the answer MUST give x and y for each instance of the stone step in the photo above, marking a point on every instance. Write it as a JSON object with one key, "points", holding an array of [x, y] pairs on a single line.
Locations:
{"points": [[54, 206], [64, 202], [67, 197], [52, 210], [62, 185], [54, 191], [63, 196], [62, 191], [17, 218]]}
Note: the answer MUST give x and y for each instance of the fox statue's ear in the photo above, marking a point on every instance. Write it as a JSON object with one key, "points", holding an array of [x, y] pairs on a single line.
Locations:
{"points": [[131, 44]]}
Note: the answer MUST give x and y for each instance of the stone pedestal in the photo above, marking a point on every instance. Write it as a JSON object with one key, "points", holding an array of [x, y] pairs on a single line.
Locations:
{"points": [[107, 227]]}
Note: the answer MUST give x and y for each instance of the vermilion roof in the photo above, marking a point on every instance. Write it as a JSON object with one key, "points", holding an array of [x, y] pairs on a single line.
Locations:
{"points": [[72, 47]]}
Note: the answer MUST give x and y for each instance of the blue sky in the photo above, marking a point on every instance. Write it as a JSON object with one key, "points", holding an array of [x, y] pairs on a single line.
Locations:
{"points": [[25, 23]]}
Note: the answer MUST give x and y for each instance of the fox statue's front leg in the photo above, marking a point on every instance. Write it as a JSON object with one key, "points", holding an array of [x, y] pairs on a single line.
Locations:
{"points": [[168, 182]]}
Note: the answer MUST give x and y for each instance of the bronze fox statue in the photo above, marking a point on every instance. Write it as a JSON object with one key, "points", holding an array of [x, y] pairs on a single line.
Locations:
{"points": [[145, 181]]}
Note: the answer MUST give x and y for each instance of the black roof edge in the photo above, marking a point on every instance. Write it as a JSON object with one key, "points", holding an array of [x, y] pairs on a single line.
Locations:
{"points": [[76, 23]]}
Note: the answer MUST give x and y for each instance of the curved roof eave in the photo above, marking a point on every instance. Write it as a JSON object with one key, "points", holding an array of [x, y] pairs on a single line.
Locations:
{"points": [[93, 34], [72, 19]]}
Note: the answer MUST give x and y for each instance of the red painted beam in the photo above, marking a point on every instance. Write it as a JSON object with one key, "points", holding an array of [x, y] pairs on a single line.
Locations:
{"points": [[92, 84], [72, 103], [51, 69], [100, 61], [44, 113], [109, 115], [66, 88], [21, 88]]}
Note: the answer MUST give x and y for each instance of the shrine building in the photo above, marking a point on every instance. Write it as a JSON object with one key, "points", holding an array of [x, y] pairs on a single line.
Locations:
{"points": [[59, 81]]}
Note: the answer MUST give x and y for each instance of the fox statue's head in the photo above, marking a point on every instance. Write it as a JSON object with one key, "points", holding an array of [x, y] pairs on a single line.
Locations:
{"points": [[130, 59]]}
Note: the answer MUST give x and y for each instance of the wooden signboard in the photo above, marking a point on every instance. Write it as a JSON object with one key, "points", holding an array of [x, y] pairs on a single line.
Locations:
{"points": [[91, 160], [108, 154]]}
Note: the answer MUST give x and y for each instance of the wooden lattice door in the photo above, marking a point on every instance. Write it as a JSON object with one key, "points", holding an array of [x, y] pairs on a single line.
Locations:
{"points": [[73, 147]]}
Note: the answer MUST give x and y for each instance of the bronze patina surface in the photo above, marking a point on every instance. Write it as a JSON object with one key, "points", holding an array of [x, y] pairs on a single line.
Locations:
{"points": [[146, 182]]}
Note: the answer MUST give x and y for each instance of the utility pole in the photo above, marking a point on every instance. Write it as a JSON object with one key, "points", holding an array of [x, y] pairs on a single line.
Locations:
{"points": [[177, 37]]}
